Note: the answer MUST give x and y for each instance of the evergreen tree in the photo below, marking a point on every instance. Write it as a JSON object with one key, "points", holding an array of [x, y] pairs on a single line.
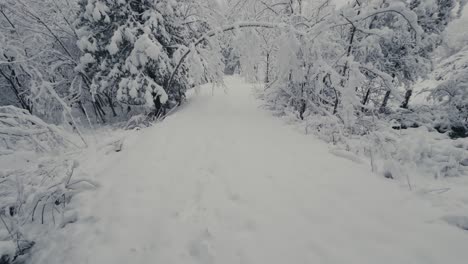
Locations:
{"points": [[129, 47]]}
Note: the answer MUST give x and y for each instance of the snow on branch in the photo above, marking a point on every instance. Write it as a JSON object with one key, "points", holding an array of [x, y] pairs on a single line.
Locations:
{"points": [[17, 126], [386, 78], [234, 26], [397, 8]]}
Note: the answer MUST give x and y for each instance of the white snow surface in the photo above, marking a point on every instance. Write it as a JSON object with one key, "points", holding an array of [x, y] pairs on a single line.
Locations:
{"points": [[7, 248], [222, 181]]}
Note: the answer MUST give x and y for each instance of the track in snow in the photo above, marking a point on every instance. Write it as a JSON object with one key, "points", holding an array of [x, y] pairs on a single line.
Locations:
{"points": [[222, 181]]}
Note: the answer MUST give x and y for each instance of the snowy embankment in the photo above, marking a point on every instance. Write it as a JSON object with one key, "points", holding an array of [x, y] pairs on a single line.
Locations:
{"points": [[221, 181], [40, 173]]}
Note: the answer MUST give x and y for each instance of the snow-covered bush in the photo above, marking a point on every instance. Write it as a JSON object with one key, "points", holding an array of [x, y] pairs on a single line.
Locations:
{"points": [[450, 96], [415, 150], [394, 151], [19, 130], [34, 200], [137, 122], [351, 77], [38, 193]]}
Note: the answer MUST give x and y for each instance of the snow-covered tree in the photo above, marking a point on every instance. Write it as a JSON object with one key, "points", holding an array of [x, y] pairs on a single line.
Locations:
{"points": [[38, 52], [350, 63], [451, 95], [125, 46], [354, 60], [131, 49]]}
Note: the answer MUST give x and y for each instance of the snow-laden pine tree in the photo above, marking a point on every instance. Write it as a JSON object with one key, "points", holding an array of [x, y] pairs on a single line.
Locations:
{"points": [[128, 49]]}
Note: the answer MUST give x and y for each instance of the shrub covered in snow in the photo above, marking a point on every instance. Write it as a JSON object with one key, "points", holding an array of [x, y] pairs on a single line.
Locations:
{"points": [[450, 96], [394, 151], [34, 196], [34, 200], [352, 84], [21, 130]]}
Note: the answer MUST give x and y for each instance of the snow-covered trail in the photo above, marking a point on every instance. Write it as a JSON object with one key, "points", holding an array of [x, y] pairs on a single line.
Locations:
{"points": [[222, 181]]}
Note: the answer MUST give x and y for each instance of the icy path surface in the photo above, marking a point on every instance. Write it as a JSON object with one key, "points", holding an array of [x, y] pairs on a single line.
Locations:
{"points": [[222, 181]]}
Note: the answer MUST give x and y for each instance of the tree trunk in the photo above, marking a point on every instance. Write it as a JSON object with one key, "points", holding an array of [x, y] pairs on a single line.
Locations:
{"points": [[267, 77], [407, 98], [385, 102], [81, 106], [111, 104], [99, 103], [337, 102], [16, 91], [303, 106], [159, 108], [365, 100], [346, 66], [98, 111]]}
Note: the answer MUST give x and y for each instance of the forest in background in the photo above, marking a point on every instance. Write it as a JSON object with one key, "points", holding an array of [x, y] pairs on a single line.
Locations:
{"points": [[383, 79], [99, 60], [349, 72]]}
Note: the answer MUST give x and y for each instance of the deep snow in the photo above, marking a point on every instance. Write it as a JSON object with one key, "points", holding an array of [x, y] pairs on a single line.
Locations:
{"points": [[222, 181]]}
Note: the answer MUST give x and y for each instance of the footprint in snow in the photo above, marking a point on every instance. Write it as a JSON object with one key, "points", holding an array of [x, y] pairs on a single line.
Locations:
{"points": [[200, 250], [250, 225], [457, 221], [234, 197]]}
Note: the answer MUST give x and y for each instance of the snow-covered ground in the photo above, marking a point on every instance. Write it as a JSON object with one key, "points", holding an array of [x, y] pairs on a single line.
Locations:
{"points": [[222, 181]]}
